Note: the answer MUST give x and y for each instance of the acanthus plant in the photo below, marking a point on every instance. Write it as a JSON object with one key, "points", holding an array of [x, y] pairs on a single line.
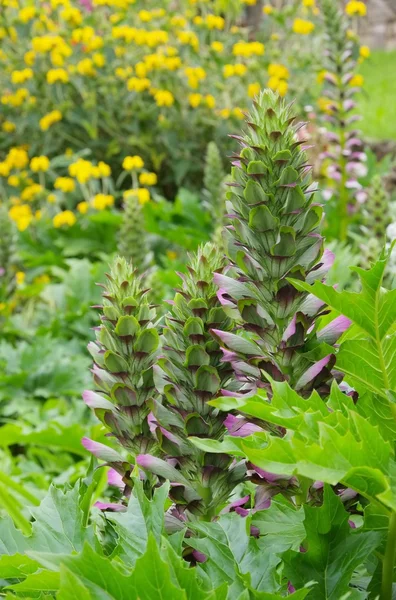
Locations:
{"points": [[275, 235], [124, 356], [345, 157], [215, 424]]}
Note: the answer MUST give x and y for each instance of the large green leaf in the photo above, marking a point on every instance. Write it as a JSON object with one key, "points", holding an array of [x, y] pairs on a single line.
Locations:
{"points": [[369, 360], [330, 446], [233, 553], [141, 518], [332, 550]]}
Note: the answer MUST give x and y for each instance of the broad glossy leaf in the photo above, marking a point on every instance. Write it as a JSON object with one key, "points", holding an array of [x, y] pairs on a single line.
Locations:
{"points": [[141, 518], [42, 581], [232, 552], [339, 446], [281, 524], [71, 587], [333, 550]]}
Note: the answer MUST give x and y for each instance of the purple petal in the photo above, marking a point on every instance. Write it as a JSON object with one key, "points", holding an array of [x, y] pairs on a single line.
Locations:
{"points": [[239, 427], [115, 479], [311, 373], [290, 329], [221, 297], [94, 400], [334, 330], [110, 506], [101, 451], [200, 557]]}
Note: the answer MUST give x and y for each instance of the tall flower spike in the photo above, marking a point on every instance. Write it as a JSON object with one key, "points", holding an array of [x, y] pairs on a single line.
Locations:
{"points": [[341, 84], [124, 354], [190, 373], [274, 236], [376, 218], [133, 240], [7, 250]]}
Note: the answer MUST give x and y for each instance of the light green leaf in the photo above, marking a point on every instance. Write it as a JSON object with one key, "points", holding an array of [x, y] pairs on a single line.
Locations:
{"points": [[332, 550]]}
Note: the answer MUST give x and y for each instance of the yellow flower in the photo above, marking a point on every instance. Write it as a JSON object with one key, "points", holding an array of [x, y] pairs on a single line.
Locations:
{"points": [[51, 198], [85, 67], [21, 76], [282, 88], [132, 162], [26, 14], [247, 49], [21, 214], [253, 89], [225, 113], [308, 3], [17, 158], [303, 27], [217, 46], [4, 169], [31, 191], [20, 277], [357, 81], [42, 279], [274, 37], [57, 75], [145, 16], [147, 178], [102, 201], [321, 76], [98, 59], [210, 101], [163, 98], [228, 71], [214, 22], [8, 126], [134, 84], [278, 70], [364, 51], [49, 119], [83, 207], [66, 217], [238, 113], [65, 184], [72, 15], [171, 254], [104, 169], [356, 7], [267, 9], [194, 100], [39, 163], [325, 104], [240, 69], [81, 170], [142, 194], [13, 181]]}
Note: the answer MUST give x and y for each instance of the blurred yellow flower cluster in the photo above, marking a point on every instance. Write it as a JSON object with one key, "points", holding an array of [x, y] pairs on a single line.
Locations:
{"points": [[356, 8]]}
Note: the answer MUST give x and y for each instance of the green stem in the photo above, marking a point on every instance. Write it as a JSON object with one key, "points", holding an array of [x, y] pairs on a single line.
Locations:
{"points": [[389, 560]]}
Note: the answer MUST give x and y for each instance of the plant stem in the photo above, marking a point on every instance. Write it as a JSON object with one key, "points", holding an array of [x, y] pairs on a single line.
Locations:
{"points": [[389, 560]]}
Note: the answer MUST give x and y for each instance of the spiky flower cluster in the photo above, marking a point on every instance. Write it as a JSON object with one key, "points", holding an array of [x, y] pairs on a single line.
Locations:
{"points": [[7, 251], [133, 245], [274, 237], [341, 84], [219, 341], [124, 356], [190, 373]]}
